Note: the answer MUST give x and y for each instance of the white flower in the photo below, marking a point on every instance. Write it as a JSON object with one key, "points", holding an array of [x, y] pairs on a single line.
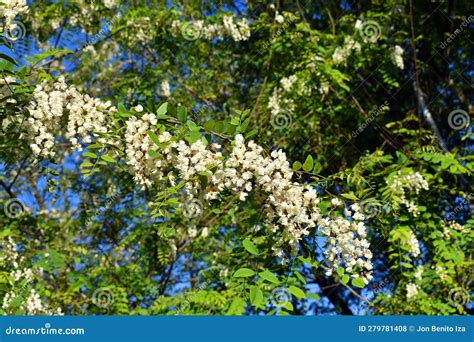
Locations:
{"points": [[287, 82], [10, 9], [279, 18], [238, 30], [165, 88], [412, 290], [291, 209], [414, 245], [397, 56], [419, 272], [138, 108]]}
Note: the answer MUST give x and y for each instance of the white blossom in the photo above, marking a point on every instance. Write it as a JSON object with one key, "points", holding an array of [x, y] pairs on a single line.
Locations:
{"points": [[165, 88], [412, 290], [290, 208], [9, 9], [397, 56]]}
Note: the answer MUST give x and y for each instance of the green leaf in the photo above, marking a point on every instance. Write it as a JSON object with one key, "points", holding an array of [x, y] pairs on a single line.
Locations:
{"points": [[243, 273], [308, 164], [209, 125], [250, 247], [154, 138], [237, 307], [108, 158], [308, 261], [313, 296], [193, 136], [192, 126], [8, 58], [345, 279], [50, 53], [286, 305], [256, 296], [16, 302], [350, 196], [5, 232], [297, 292], [269, 276], [153, 153], [182, 114], [358, 282], [90, 155], [121, 108], [296, 166], [162, 110], [300, 277]]}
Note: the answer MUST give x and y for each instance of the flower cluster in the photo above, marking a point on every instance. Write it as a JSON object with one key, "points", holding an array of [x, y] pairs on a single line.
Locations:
{"points": [[32, 303], [238, 30], [453, 225], [141, 164], [153, 155], [277, 99], [9, 9], [414, 182], [412, 290], [348, 240], [165, 88], [290, 208], [86, 116], [341, 53], [413, 244], [397, 56], [111, 3]]}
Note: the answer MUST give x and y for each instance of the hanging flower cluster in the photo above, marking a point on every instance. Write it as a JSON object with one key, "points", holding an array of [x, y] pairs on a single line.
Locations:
{"points": [[9, 9], [348, 240], [239, 30], [87, 117], [154, 154], [342, 53], [277, 101], [290, 207], [32, 304], [397, 56], [414, 182], [413, 244], [412, 290]]}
